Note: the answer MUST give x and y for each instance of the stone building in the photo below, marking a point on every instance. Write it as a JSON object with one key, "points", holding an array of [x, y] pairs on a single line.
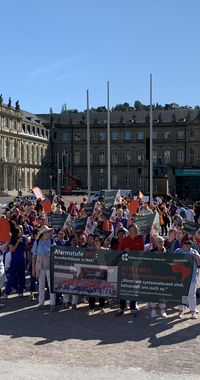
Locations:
{"points": [[176, 150], [24, 142]]}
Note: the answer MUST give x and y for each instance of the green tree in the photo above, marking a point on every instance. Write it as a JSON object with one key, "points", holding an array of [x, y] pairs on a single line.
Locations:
{"points": [[64, 108], [138, 105]]}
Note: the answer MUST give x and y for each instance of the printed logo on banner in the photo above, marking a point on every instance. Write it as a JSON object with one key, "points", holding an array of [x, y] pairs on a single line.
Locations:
{"points": [[125, 257]]}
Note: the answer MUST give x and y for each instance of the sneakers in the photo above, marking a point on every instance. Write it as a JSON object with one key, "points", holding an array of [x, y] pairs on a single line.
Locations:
{"points": [[180, 314], [163, 313], [194, 315], [153, 313], [119, 313], [91, 312]]}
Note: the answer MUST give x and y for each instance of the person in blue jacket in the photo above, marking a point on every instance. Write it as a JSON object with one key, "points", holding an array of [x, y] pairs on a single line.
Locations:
{"points": [[16, 276]]}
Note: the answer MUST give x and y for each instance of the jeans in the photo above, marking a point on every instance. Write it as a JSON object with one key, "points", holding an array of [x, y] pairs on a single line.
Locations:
{"points": [[41, 280], [191, 298]]}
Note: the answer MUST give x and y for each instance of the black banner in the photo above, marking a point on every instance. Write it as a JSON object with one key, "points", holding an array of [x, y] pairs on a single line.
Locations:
{"points": [[124, 275]]}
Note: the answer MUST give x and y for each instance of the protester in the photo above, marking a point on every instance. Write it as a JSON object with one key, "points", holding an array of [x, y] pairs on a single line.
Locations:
{"points": [[186, 249], [41, 264]]}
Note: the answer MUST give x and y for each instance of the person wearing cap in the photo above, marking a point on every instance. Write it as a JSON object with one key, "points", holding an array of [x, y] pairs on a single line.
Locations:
{"points": [[41, 264], [187, 249]]}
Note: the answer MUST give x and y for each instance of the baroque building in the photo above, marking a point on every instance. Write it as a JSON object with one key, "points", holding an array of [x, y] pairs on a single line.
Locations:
{"points": [[176, 150], [24, 143]]}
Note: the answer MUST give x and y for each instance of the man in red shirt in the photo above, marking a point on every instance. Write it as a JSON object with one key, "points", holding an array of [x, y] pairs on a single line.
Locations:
{"points": [[132, 242]]}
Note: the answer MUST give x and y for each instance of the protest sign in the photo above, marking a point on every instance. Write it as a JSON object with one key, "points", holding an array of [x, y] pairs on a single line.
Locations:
{"points": [[56, 220], [89, 208], [144, 223], [191, 228], [125, 275], [4, 230], [133, 206], [109, 197], [79, 224], [47, 205], [38, 193]]}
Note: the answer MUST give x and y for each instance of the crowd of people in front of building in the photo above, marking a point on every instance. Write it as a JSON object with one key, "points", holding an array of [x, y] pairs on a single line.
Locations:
{"points": [[25, 257]]}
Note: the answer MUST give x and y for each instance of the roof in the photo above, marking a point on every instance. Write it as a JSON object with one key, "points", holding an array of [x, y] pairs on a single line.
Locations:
{"points": [[138, 117]]}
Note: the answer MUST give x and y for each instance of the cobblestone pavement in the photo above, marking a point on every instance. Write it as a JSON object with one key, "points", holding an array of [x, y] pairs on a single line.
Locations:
{"points": [[150, 346]]}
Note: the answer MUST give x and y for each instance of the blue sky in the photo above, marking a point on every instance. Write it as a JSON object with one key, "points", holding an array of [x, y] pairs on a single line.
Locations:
{"points": [[52, 51]]}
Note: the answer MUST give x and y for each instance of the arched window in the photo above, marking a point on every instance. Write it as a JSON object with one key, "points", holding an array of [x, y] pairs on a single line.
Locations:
{"points": [[77, 158], [140, 157], [191, 155], [180, 156], [102, 157], [155, 156], [115, 157], [166, 156]]}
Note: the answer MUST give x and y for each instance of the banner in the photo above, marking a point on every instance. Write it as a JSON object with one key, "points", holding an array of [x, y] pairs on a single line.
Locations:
{"points": [[56, 220], [144, 223], [124, 275]]}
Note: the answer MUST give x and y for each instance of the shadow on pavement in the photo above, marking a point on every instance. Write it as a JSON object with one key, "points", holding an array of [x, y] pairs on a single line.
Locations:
{"points": [[20, 318]]}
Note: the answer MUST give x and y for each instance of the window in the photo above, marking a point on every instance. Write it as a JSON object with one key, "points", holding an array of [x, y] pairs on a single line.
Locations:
{"points": [[127, 135], [102, 157], [191, 156], [115, 157], [127, 157], [180, 135], [140, 135], [65, 136], [77, 158], [114, 180], [102, 136], [155, 156], [15, 149], [77, 136], [167, 157], [167, 135], [180, 156], [114, 136], [155, 135], [127, 180], [192, 133], [140, 157]]}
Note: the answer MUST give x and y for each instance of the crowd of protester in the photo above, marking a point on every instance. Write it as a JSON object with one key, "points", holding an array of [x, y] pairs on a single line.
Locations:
{"points": [[25, 257]]}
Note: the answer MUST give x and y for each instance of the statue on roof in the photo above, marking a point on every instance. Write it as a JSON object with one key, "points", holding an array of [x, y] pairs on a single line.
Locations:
{"points": [[17, 106], [9, 102], [1, 99]]}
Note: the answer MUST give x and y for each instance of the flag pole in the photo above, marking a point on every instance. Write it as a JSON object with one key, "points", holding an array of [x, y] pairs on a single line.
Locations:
{"points": [[88, 147], [108, 134], [151, 146]]}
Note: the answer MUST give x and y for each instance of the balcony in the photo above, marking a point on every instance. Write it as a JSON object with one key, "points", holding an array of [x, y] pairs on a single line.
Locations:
{"points": [[13, 160]]}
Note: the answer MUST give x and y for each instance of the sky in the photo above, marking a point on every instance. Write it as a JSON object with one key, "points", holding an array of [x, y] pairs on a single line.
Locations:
{"points": [[52, 51]]}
